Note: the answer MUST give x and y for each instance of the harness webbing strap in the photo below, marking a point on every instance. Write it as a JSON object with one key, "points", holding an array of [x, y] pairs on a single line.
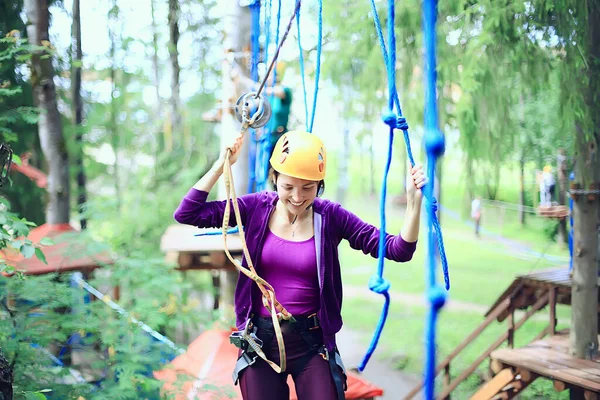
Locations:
{"points": [[270, 302], [268, 293]]}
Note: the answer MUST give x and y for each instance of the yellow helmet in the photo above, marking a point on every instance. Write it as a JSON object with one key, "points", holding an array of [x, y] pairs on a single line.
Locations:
{"points": [[300, 155], [547, 168]]}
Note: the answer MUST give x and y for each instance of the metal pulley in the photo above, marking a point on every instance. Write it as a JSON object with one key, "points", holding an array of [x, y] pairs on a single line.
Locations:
{"points": [[256, 111]]}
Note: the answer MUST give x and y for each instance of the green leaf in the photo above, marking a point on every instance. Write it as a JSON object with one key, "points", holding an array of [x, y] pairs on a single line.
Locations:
{"points": [[16, 160], [40, 255], [46, 241], [35, 396], [27, 250], [44, 391]]}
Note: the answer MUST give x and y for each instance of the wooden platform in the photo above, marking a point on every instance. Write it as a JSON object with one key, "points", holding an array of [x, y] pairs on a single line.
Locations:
{"points": [[549, 358], [556, 211], [192, 252], [526, 289]]}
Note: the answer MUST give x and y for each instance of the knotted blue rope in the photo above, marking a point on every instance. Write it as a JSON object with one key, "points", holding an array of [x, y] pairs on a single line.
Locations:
{"points": [[310, 122], [435, 147]]}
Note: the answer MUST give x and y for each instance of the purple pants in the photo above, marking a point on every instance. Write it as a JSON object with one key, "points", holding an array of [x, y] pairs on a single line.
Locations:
{"points": [[313, 382]]}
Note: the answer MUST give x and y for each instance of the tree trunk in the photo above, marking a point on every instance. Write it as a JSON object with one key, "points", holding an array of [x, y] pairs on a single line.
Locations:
{"points": [[372, 161], [175, 102], [114, 109], [342, 188], [562, 176], [584, 304], [236, 23], [77, 110], [156, 142], [522, 189], [6, 379], [49, 125]]}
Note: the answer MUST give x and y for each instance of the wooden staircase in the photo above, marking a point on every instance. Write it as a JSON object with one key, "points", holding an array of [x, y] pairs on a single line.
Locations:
{"points": [[530, 293]]}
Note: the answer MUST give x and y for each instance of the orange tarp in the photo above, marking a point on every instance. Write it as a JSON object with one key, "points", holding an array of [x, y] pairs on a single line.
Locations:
{"points": [[207, 366]]}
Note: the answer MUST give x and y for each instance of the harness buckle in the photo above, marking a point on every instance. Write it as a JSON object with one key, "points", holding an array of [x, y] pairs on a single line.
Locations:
{"points": [[324, 353], [239, 339]]}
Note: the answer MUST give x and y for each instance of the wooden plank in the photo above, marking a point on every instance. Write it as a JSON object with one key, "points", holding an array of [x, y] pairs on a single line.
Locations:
{"points": [[512, 357], [495, 385], [590, 367]]}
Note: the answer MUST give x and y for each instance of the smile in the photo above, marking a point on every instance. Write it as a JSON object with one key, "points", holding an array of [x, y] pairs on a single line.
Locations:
{"points": [[296, 204]]}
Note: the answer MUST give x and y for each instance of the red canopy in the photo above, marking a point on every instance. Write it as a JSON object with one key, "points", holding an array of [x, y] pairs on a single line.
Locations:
{"points": [[209, 362], [66, 254]]}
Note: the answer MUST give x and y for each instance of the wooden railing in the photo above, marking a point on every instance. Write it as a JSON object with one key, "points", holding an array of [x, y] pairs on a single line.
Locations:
{"points": [[507, 305]]}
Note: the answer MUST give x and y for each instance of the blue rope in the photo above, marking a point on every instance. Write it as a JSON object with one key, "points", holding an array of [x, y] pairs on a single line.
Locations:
{"points": [[255, 58], [401, 124], [434, 142], [219, 232], [434, 145], [277, 38], [571, 232], [261, 144], [310, 122]]}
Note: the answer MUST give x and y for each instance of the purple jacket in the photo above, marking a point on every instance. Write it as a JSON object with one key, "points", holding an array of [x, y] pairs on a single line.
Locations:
{"points": [[332, 223]]}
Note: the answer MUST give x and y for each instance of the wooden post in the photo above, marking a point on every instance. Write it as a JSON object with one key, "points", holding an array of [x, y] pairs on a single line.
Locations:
{"points": [[236, 23], [511, 329], [552, 311]]}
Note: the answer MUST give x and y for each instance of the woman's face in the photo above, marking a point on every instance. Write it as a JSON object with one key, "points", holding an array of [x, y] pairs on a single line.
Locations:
{"points": [[296, 194]]}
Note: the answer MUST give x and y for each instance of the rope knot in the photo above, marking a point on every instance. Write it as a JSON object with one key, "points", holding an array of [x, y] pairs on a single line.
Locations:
{"points": [[433, 205], [435, 143], [390, 118], [378, 284], [394, 121], [437, 297], [401, 123]]}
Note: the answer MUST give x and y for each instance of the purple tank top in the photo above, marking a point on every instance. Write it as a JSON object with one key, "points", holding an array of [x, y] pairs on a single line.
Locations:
{"points": [[291, 268]]}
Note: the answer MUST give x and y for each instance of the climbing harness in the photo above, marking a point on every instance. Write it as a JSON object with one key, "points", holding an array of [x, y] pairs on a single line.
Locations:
{"points": [[434, 143], [309, 329], [251, 110]]}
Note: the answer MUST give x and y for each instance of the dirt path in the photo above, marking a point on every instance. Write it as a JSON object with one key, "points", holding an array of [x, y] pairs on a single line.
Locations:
{"points": [[380, 372]]}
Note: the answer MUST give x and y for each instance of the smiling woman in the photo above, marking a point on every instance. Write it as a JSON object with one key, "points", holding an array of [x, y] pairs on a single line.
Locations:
{"points": [[292, 237]]}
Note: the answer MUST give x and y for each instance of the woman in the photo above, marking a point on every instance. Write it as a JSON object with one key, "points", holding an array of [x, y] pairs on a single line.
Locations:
{"points": [[293, 237]]}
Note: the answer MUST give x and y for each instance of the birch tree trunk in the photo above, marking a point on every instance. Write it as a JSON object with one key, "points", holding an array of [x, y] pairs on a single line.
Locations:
{"points": [[175, 101], [77, 109], [50, 128]]}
